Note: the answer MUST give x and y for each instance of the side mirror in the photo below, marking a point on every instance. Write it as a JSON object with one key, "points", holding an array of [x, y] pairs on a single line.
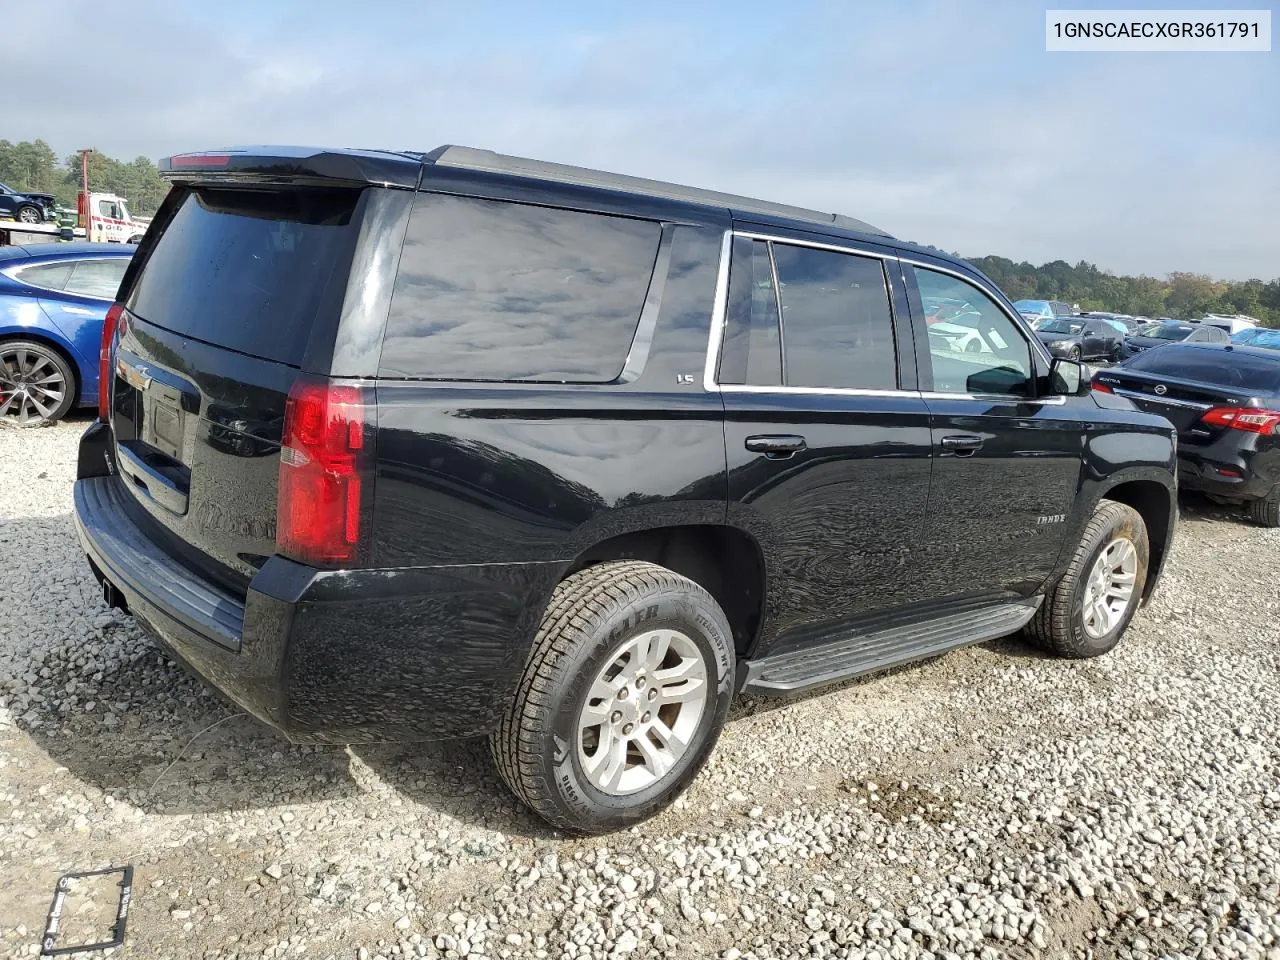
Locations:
{"points": [[1067, 378]]}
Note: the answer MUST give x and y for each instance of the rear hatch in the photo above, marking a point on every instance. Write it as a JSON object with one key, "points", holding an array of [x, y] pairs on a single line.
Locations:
{"points": [[221, 316]]}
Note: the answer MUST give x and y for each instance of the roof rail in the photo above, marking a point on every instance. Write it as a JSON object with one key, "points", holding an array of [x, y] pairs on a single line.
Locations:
{"points": [[487, 161]]}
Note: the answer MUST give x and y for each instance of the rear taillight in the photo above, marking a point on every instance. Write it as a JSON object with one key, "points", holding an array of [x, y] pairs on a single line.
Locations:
{"points": [[1249, 419], [109, 327], [325, 478], [1101, 387]]}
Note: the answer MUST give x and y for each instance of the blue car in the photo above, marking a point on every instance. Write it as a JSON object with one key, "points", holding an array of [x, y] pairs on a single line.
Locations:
{"points": [[53, 299]]}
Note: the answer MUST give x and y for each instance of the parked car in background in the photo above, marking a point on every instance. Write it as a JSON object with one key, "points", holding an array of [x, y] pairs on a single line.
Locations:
{"points": [[548, 454], [26, 207], [1172, 331], [53, 299], [1035, 310], [1082, 338], [1224, 400], [1268, 337], [1232, 324]]}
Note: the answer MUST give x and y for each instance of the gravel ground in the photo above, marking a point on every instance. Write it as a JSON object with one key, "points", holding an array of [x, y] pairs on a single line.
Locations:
{"points": [[990, 803]]}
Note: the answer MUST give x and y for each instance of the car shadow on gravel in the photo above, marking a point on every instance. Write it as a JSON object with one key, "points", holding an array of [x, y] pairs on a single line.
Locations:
{"points": [[104, 701]]}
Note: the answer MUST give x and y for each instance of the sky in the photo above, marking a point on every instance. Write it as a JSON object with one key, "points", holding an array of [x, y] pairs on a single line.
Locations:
{"points": [[944, 123]]}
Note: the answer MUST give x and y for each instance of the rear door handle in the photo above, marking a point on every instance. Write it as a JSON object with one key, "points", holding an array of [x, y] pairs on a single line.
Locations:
{"points": [[963, 445], [776, 446]]}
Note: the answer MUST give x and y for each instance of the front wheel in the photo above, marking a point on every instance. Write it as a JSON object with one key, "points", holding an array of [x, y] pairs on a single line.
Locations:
{"points": [[1075, 354], [622, 700], [1085, 613]]}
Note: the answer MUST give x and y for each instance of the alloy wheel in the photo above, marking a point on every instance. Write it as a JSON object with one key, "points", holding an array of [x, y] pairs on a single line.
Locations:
{"points": [[31, 385], [1109, 590], [642, 712]]}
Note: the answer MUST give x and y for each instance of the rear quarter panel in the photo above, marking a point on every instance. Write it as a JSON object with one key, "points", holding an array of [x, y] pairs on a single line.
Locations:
{"points": [[23, 316]]}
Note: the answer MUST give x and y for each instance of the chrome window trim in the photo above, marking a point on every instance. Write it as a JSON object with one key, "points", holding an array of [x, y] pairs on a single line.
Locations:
{"points": [[816, 245], [719, 311], [1016, 318], [816, 391], [15, 273]]}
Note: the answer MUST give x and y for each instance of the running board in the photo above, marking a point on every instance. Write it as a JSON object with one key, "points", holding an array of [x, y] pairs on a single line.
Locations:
{"points": [[797, 671]]}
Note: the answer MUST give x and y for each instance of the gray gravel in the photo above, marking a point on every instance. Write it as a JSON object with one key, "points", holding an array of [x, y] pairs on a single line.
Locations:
{"points": [[990, 803]]}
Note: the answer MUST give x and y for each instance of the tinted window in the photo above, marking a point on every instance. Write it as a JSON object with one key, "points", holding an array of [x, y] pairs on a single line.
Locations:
{"points": [[49, 276], [249, 270], [752, 352], [489, 290], [836, 326], [1065, 327], [98, 278], [1238, 370], [1209, 335], [992, 357], [1164, 331]]}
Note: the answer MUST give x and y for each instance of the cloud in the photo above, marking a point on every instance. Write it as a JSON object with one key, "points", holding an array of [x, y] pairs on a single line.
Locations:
{"points": [[940, 122]]}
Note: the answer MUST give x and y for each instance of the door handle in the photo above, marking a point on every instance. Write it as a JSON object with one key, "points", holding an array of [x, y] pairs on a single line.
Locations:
{"points": [[963, 445], [776, 446]]}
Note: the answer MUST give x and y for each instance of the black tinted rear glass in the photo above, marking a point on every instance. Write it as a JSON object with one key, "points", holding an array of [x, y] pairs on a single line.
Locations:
{"points": [[490, 290], [1224, 368], [249, 269]]}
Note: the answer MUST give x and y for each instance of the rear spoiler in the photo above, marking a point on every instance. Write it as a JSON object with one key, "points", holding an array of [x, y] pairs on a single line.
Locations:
{"points": [[296, 165]]}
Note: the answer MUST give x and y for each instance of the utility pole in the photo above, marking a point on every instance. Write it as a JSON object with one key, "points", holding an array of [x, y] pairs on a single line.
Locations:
{"points": [[85, 216]]}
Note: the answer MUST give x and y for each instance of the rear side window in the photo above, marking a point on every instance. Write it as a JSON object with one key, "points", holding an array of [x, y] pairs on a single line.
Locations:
{"points": [[1233, 369], [98, 278], [752, 344], [47, 276], [491, 290], [249, 270], [837, 329]]}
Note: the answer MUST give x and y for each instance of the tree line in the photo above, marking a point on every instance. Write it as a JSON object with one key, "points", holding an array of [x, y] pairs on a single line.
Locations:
{"points": [[34, 166], [1185, 296]]}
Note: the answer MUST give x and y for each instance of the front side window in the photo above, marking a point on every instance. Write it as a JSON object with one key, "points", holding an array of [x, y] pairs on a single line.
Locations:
{"points": [[837, 328], [98, 278], [492, 290], [989, 357]]}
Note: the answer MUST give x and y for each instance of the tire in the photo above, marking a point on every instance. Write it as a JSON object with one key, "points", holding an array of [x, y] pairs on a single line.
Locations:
{"points": [[1074, 354], [544, 752], [37, 385], [29, 214], [1266, 512], [1060, 625], [973, 346]]}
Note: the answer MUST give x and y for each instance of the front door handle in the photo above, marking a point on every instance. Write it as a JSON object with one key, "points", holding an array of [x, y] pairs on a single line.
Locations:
{"points": [[962, 445], [776, 446]]}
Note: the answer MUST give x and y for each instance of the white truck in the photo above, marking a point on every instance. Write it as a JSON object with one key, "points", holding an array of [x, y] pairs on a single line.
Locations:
{"points": [[106, 219]]}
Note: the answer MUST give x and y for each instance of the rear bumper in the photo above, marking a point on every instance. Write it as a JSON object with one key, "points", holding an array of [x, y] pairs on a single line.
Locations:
{"points": [[1206, 475], [328, 656]]}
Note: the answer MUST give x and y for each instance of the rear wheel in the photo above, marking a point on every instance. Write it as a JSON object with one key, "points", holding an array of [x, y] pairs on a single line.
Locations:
{"points": [[1266, 512], [29, 214], [1085, 613], [36, 384], [624, 695]]}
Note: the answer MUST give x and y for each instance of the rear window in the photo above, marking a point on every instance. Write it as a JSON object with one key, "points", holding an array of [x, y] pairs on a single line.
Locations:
{"points": [[1224, 368], [249, 270], [491, 290]]}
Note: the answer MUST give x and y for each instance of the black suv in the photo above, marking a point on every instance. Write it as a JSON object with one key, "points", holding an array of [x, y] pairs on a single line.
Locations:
{"points": [[398, 446]]}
